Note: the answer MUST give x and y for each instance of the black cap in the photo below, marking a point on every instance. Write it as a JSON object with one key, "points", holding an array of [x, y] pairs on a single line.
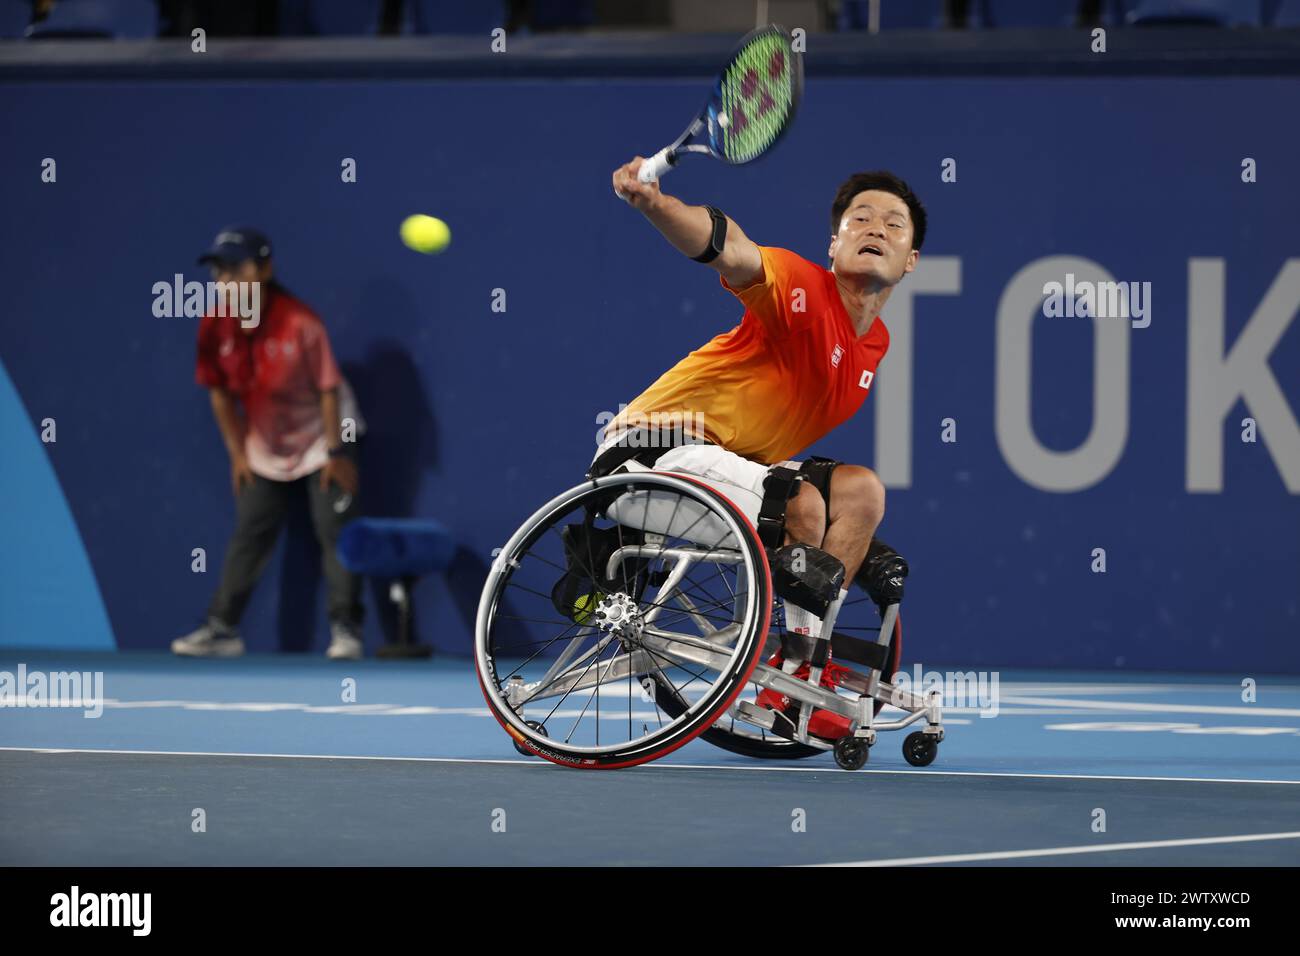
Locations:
{"points": [[236, 244]]}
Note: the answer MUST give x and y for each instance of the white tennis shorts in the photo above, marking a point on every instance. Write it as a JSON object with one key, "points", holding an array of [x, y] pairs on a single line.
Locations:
{"points": [[736, 478]]}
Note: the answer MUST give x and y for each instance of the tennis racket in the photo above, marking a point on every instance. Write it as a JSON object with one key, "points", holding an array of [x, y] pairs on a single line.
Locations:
{"points": [[752, 105]]}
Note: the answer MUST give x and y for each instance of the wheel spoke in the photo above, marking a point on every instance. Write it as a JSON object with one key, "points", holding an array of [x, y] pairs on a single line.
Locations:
{"points": [[685, 641]]}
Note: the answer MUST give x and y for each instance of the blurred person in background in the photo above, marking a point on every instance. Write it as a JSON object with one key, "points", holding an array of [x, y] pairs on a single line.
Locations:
{"points": [[280, 403]]}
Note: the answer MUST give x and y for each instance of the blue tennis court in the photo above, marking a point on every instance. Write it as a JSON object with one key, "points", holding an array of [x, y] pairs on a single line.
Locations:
{"points": [[416, 771]]}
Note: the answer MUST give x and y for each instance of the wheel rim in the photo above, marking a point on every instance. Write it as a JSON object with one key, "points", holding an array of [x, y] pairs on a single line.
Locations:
{"points": [[687, 608]]}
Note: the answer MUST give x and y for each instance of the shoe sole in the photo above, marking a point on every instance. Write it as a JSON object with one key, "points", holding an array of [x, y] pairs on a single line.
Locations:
{"points": [[188, 652]]}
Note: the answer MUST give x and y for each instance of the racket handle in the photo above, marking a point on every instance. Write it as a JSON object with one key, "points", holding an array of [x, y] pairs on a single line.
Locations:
{"points": [[658, 164]]}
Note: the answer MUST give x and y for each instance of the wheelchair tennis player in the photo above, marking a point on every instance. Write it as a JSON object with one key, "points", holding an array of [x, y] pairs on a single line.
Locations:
{"points": [[800, 363]]}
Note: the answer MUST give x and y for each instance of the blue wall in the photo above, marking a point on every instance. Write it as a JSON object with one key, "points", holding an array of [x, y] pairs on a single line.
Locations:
{"points": [[476, 417]]}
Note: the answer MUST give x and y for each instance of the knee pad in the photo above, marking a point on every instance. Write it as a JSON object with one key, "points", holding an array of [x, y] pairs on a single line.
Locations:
{"points": [[806, 576], [882, 574]]}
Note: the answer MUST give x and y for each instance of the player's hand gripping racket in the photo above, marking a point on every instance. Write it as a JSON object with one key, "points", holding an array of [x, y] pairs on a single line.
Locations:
{"points": [[752, 105]]}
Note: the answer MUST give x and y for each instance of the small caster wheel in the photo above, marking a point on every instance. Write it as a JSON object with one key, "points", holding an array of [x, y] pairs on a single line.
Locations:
{"points": [[535, 725], [851, 752], [920, 749]]}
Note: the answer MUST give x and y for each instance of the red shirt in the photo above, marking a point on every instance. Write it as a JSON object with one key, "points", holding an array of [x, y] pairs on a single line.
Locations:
{"points": [[792, 371], [278, 371]]}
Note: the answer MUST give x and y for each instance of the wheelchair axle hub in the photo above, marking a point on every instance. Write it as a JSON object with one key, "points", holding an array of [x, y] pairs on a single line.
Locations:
{"points": [[619, 614]]}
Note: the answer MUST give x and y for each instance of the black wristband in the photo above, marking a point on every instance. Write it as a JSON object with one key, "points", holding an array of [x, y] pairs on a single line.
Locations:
{"points": [[719, 237]]}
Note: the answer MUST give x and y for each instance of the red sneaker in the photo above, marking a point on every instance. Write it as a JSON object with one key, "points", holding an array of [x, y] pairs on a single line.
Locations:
{"points": [[822, 723]]}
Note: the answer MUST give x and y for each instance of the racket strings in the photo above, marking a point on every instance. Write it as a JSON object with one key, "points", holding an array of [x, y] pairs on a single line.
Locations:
{"points": [[757, 93]]}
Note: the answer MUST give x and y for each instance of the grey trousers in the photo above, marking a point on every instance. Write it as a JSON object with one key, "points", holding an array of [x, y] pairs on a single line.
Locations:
{"points": [[259, 515]]}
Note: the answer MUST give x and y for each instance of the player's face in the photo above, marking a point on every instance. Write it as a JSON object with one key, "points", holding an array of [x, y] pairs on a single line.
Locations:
{"points": [[875, 239], [247, 271]]}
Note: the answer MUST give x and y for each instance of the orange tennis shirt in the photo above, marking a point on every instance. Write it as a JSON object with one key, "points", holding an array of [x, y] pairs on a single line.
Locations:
{"points": [[789, 373]]}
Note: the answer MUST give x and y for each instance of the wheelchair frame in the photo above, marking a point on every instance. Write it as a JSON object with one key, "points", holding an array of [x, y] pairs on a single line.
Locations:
{"points": [[648, 645]]}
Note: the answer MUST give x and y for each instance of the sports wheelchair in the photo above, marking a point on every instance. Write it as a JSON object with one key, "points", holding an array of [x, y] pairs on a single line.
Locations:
{"points": [[634, 612]]}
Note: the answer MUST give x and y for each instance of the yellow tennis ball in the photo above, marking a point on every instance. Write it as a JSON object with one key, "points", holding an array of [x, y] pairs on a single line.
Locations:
{"points": [[425, 234], [583, 607]]}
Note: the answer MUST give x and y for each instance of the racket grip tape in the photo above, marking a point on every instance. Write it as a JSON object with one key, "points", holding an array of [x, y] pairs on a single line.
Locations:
{"points": [[658, 164]]}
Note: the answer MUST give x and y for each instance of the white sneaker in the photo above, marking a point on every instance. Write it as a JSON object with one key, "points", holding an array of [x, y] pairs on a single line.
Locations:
{"points": [[345, 645], [211, 640]]}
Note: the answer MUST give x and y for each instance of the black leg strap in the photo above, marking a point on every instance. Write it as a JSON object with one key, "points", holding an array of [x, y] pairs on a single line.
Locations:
{"points": [[821, 651], [844, 648], [817, 472], [858, 651], [780, 485]]}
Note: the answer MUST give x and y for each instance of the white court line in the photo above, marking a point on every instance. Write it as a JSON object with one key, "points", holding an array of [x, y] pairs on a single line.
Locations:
{"points": [[1094, 689], [1067, 850], [421, 710], [223, 753], [536, 762], [1247, 710]]}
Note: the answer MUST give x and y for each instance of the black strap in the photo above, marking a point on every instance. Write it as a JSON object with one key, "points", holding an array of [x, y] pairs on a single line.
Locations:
{"points": [[821, 652], [842, 646], [780, 485], [817, 471], [718, 238], [855, 649]]}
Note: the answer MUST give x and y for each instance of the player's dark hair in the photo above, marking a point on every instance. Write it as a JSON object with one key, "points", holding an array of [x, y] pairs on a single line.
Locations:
{"points": [[884, 181]]}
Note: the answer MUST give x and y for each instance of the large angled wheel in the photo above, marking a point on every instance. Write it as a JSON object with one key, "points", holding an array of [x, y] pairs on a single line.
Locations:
{"points": [[609, 592]]}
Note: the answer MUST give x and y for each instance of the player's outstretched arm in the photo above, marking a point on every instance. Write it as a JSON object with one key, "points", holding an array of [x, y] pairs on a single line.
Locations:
{"points": [[690, 228]]}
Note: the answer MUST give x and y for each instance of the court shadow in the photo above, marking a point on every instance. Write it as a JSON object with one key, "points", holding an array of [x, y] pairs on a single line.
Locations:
{"points": [[401, 440], [465, 580], [400, 444]]}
